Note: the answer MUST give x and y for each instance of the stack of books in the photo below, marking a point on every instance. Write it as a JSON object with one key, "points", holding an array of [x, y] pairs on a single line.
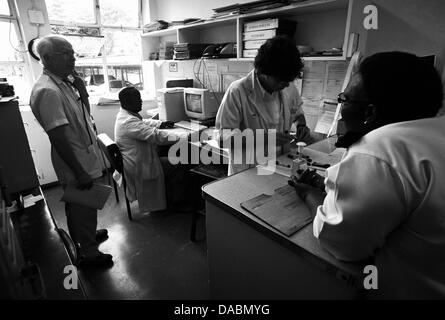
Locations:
{"points": [[248, 7], [257, 32], [166, 51], [183, 51]]}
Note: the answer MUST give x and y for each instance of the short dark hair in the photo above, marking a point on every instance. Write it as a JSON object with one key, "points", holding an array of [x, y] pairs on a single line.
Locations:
{"points": [[126, 95], [402, 86], [279, 57]]}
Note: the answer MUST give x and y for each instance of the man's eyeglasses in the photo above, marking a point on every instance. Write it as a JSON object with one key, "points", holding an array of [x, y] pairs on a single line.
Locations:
{"points": [[342, 99], [65, 53]]}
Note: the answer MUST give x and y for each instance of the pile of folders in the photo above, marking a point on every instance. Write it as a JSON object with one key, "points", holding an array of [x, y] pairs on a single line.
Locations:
{"points": [[183, 51]]}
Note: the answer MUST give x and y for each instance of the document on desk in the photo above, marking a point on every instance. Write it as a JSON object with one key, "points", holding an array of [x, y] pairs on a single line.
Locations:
{"points": [[285, 211]]}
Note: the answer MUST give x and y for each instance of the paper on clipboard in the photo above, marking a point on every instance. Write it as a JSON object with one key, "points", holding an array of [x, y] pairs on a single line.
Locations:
{"points": [[284, 210], [95, 197]]}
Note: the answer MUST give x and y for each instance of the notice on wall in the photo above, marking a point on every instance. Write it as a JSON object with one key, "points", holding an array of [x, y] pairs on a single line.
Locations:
{"points": [[315, 70], [228, 78], [326, 117], [322, 82], [312, 89], [211, 82], [335, 77]]}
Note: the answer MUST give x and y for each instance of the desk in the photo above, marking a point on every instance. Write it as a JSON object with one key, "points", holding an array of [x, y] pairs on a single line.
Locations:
{"points": [[248, 259]]}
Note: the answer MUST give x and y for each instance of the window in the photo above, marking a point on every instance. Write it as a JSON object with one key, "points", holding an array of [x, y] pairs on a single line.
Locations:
{"points": [[10, 51], [13, 66], [119, 13], [79, 11], [113, 43], [4, 8]]}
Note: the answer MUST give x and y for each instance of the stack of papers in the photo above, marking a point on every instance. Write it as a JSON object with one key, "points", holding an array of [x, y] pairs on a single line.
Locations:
{"points": [[28, 201]]}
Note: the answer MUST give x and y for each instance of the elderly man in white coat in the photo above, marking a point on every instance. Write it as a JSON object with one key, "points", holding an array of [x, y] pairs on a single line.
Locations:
{"points": [[137, 140]]}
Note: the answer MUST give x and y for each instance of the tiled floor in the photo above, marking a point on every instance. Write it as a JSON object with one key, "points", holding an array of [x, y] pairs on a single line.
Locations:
{"points": [[153, 255]]}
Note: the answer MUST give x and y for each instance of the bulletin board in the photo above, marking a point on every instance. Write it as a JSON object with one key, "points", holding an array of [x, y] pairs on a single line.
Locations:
{"points": [[322, 82]]}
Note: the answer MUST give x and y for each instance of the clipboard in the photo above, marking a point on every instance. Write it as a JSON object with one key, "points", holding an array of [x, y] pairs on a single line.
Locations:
{"points": [[285, 211], [95, 197]]}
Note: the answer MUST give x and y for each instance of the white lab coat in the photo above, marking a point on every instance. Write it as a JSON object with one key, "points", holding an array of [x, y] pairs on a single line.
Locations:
{"points": [[246, 105], [386, 199], [137, 140]]}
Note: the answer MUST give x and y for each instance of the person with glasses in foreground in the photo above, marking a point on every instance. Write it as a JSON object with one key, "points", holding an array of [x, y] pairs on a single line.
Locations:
{"points": [[266, 98], [61, 109], [386, 199]]}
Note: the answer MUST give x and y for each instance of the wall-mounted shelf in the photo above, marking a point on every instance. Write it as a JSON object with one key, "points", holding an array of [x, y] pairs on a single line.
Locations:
{"points": [[320, 58], [322, 24]]}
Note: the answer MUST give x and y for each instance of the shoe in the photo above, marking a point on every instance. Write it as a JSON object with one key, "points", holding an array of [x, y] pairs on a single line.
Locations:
{"points": [[100, 260], [101, 235]]}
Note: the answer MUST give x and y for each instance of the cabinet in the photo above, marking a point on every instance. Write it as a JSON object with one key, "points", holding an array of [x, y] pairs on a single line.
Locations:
{"points": [[39, 146], [15, 158], [321, 24]]}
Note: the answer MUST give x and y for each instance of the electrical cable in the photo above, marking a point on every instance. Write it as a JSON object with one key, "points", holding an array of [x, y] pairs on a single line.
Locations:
{"points": [[9, 38], [210, 84]]}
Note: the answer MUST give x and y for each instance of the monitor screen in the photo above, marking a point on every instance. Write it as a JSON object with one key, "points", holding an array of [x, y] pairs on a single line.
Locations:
{"points": [[193, 102]]}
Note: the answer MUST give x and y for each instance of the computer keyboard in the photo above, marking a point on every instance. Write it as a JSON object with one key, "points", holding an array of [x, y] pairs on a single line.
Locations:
{"points": [[190, 125]]}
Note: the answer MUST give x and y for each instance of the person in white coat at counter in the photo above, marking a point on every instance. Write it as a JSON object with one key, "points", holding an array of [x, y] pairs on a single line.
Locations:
{"points": [[265, 99], [137, 140], [386, 198]]}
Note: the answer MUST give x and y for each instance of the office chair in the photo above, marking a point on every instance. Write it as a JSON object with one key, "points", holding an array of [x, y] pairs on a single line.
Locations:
{"points": [[114, 156]]}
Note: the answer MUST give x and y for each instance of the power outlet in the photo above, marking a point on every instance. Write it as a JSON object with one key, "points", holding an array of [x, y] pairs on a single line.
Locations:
{"points": [[173, 67]]}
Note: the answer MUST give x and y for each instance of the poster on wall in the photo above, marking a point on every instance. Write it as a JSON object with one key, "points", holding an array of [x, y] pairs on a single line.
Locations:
{"points": [[228, 78]]}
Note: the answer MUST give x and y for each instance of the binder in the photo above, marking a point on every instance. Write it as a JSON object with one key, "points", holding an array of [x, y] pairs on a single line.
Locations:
{"points": [[270, 24], [250, 53], [258, 35], [253, 44]]}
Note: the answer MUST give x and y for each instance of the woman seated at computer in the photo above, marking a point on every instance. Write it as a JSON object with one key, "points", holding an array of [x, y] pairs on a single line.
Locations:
{"points": [[153, 181]]}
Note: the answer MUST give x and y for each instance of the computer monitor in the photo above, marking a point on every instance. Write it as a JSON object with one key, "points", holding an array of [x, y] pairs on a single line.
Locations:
{"points": [[200, 104], [171, 104]]}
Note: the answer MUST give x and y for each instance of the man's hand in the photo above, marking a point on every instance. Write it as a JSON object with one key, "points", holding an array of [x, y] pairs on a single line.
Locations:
{"points": [[167, 125], [84, 181], [313, 197], [303, 133]]}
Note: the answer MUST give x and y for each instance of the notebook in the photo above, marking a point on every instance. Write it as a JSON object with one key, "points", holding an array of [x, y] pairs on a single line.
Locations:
{"points": [[285, 211], [93, 198]]}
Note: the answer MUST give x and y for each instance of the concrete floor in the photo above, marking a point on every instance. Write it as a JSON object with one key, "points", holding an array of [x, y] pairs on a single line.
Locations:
{"points": [[153, 255]]}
